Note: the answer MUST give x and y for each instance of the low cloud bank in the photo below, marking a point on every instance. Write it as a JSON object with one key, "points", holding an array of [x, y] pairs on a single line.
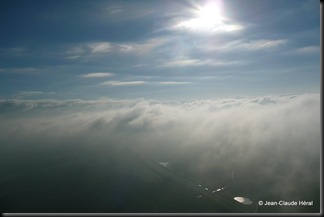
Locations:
{"points": [[272, 143]]}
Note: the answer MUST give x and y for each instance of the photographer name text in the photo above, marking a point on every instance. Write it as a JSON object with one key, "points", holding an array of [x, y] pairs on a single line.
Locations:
{"points": [[286, 203]]}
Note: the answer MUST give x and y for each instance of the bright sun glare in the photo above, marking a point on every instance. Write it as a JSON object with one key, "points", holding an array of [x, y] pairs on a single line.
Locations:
{"points": [[208, 18]]}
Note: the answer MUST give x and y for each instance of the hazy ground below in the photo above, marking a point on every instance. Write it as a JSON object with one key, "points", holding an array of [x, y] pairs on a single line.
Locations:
{"points": [[113, 179]]}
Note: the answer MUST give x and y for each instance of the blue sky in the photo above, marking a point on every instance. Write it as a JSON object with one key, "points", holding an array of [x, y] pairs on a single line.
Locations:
{"points": [[158, 49]]}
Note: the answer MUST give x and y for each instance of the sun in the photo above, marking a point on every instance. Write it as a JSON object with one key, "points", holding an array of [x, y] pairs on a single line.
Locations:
{"points": [[206, 17], [209, 17]]}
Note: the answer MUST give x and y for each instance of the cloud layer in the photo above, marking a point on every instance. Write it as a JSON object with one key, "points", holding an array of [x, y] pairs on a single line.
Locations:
{"points": [[270, 143]]}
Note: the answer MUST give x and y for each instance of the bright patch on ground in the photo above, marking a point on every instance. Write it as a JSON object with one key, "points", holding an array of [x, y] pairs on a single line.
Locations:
{"points": [[243, 200]]}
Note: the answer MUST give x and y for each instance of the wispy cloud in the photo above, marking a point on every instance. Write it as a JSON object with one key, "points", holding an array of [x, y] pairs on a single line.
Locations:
{"points": [[255, 44], [97, 75], [100, 47], [103, 48], [22, 94], [308, 50], [123, 83], [157, 47], [129, 83], [88, 49], [125, 11], [183, 62], [14, 51], [197, 24], [115, 9], [264, 44], [243, 45], [75, 52], [173, 82], [143, 47], [198, 62]]}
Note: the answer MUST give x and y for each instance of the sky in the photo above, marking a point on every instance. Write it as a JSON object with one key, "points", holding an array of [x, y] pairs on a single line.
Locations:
{"points": [[165, 50], [217, 89]]}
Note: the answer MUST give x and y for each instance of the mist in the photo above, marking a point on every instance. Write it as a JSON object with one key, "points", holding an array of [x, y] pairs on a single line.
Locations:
{"points": [[80, 156]]}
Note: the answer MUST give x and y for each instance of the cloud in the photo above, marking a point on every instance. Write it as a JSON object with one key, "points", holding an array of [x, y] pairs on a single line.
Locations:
{"points": [[271, 143], [86, 50], [264, 44], [198, 62], [123, 83], [28, 94], [124, 11], [18, 105], [115, 9], [183, 62], [308, 50], [253, 45], [173, 82], [22, 94], [197, 24], [99, 47], [97, 75], [127, 83], [140, 47], [14, 51], [75, 50]]}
